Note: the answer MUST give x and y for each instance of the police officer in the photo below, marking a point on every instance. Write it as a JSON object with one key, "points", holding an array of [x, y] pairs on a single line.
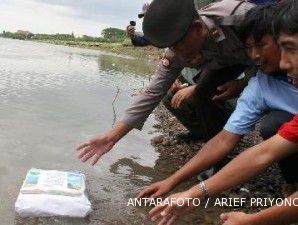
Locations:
{"points": [[187, 108], [202, 116], [198, 38]]}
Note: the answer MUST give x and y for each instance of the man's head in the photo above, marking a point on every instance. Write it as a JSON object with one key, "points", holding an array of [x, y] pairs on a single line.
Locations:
{"points": [[189, 47], [286, 32], [256, 33], [176, 24], [144, 9]]}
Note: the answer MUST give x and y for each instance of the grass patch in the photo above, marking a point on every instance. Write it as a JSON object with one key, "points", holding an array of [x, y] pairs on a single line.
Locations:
{"points": [[123, 48]]}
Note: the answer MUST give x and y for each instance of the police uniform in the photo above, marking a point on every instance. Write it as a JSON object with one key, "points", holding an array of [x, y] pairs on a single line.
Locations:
{"points": [[221, 59]]}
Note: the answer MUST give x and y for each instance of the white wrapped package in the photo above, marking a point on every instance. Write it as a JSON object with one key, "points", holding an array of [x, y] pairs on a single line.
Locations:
{"points": [[42, 205], [53, 193]]}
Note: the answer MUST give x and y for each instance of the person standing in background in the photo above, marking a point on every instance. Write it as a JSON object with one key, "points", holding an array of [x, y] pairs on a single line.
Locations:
{"points": [[138, 40]]}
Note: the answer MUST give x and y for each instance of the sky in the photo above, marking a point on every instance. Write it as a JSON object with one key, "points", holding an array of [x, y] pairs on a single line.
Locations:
{"points": [[87, 17]]}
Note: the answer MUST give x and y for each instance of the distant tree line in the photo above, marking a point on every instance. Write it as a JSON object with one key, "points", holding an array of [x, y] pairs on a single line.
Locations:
{"points": [[16, 35], [113, 34], [107, 35]]}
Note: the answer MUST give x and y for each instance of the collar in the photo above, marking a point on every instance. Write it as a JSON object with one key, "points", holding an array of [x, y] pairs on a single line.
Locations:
{"points": [[283, 77], [280, 76]]}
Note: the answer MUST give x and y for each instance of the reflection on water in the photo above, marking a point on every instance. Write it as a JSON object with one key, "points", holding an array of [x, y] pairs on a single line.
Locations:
{"points": [[54, 97], [26, 65], [124, 65]]}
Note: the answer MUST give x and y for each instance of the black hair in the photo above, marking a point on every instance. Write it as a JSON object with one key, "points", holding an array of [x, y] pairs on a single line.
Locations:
{"points": [[286, 20], [257, 22]]}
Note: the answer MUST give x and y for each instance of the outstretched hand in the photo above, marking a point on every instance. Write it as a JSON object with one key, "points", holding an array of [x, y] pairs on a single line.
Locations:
{"points": [[157, 189], [95, 148], [235, 218], [167, 214]]}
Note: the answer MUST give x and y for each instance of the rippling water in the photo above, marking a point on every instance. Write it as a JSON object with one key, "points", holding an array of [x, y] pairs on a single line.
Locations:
{"points": [[30, 66], [51, 99]]}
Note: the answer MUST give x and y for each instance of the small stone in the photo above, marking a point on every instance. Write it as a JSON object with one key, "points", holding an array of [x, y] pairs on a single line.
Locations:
{"points": [[244, 190], [166, 142], [157, 126], [208, 219], [174, 142]]}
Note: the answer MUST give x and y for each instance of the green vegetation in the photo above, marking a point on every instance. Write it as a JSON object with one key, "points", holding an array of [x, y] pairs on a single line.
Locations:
{"points": [[112, 40], [113, 34], [17, 35]]}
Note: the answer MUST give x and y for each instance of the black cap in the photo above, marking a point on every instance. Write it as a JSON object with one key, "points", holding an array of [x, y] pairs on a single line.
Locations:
{"points": [[167, 21]]}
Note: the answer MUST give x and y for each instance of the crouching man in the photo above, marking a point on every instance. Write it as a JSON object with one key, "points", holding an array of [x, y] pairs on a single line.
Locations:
{"points": [[269, 90]]}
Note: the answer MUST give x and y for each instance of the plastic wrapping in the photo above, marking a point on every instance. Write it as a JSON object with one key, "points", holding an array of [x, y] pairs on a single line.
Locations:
{"points": [[53, 193]]}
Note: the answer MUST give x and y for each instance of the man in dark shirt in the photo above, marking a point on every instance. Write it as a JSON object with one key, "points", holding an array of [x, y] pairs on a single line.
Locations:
{"points": [[138, 39]]}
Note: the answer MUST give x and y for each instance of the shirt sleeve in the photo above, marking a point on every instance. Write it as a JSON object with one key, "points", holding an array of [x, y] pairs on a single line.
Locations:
{"points": [[289, 131], [250, 108], [139, 41], [143, 104]]}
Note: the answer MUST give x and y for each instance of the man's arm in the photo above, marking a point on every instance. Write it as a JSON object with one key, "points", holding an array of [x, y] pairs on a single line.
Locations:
{"points": [[139, 41], [135, 115], [251, 162], [249, 109], [136, 39], [213, 151], [146, 102], [245, 166], [276, 215]]}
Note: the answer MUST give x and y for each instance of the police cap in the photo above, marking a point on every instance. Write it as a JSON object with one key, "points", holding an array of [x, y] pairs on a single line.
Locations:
{"points": [[167, 21]]}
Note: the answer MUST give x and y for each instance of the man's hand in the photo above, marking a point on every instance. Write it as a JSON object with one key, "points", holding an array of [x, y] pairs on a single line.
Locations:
{"points": [[230, 89], [176, 86], [157, 189], [236, 218], [130, 30], [95, 148], [182, 94], [167, 214]]}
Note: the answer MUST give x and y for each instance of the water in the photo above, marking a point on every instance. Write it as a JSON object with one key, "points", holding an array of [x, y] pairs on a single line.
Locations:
{"points": [[51, 99], [54, 97]]}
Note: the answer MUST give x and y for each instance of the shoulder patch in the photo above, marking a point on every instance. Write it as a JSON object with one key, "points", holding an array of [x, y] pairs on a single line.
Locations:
{"points": [[167, 58]]}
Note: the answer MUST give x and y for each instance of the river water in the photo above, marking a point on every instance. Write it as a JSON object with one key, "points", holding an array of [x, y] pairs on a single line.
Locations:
{"points": [[54, 97], [51, 99]]}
